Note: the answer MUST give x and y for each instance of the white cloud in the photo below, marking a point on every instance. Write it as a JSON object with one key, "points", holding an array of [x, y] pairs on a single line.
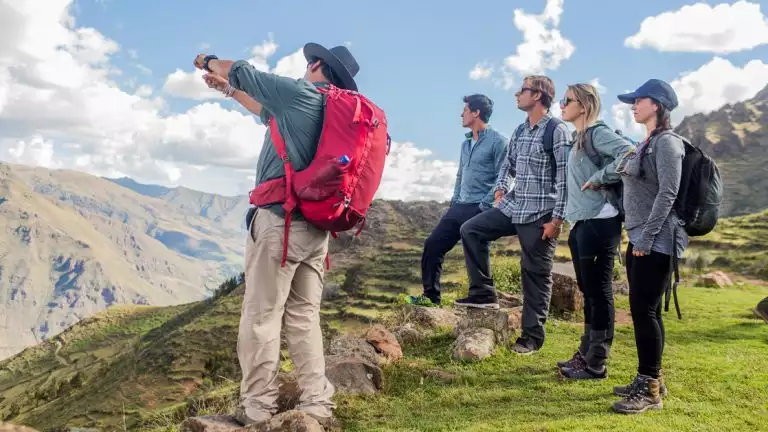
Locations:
{"points": [[724, 28], [480, 71], [625, 121], [36, 151], [292, 66], [543, 47], [410, 174], [596, 83], [717, 83], [190, 85]]}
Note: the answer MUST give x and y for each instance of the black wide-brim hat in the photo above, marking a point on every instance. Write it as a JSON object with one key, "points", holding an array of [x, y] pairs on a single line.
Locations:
{"points": [[339, 59]]}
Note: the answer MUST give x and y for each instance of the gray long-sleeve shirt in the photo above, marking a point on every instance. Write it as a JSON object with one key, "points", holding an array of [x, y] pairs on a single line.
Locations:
{"points": [[650, 219]]}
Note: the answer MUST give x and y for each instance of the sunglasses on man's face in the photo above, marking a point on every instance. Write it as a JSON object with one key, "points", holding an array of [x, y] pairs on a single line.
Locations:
{"points": [[523, 90]]}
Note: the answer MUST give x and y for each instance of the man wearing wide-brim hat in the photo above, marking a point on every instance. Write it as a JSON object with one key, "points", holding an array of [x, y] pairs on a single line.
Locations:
{"points": [[291, 292]]}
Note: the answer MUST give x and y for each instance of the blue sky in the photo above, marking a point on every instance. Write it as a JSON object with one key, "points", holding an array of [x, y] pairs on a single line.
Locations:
{"points": [[416, 59]]}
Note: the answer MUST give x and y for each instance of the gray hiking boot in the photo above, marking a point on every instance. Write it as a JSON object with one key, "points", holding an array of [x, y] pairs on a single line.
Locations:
{"points": [[242, 418], [623, 391], [644, 395]]}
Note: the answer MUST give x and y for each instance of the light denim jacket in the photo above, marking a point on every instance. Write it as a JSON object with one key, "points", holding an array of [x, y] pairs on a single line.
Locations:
{"points": [[611, 147], [478, 167]]}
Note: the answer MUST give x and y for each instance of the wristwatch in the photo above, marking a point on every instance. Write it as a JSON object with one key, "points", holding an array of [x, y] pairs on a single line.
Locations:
{"points": [[207, 59]]}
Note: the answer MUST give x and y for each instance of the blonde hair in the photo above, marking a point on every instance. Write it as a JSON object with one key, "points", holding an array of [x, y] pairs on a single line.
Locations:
{"points": [[589, 98]]}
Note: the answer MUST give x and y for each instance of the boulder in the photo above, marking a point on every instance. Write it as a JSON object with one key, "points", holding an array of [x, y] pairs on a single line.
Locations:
{"points": [[509, 301], [384, 342], [474, 344], [716, 279], [761, 311], [435, 318], [408, 333], [353, 375], [289, 421], [514, 319], [217, 423], [354, 347], [494, 320], [566, 297]]}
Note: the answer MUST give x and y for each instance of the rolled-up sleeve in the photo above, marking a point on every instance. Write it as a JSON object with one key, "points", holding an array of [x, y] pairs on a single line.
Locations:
{"points": [[271, 90]]}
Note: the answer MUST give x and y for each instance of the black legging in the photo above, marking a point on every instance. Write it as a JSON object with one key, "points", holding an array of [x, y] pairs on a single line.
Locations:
{"points": [[648, 278]]}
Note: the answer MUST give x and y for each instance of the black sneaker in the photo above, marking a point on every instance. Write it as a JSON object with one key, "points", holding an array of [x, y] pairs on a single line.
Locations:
{"points": [[524, 346], [584, 372], [577, 361], [479, 303]]}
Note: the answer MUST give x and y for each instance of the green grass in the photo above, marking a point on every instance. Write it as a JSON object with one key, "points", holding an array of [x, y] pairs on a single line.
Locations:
{"points": [[715, 365]]}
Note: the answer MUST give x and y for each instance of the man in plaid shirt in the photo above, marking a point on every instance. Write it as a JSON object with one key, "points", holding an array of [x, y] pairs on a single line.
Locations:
{"points": [[530, 198]]}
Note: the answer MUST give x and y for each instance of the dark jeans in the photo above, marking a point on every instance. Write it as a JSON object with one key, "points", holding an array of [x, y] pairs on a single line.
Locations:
{"points": [[536, 265], [443, 238], [648, 278], [593, 245]]}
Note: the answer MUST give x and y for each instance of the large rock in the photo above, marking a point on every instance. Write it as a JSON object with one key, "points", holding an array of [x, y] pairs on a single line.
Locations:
{"points": [[217, 423], [353, 375], [509, 301], [435, 318], [494, 320], [762, 309], [384, 342], [474, 344], [566, 297], [353, 347], [716, 279], [408, 333], [514, 319], [290, 421]]}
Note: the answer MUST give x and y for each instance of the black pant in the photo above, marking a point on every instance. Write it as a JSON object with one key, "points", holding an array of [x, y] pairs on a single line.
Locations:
{"points": [[648, 278], [536, 264], [594, 245], [443, 238]]}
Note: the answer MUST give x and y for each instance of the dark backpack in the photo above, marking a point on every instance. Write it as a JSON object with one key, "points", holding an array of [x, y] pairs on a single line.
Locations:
{"points": [[548, 143], [701, 191], [615, 190]]}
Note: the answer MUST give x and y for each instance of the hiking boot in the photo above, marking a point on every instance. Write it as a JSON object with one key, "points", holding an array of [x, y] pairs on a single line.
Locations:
{"points": [[623, 391], [524, 346], [577, 361], [584, 372], [644, 395], [422, 300], [479, 303], [242, 418]]}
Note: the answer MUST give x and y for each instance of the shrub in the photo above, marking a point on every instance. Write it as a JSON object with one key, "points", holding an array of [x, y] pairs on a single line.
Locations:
{"points": [[506, 275]]}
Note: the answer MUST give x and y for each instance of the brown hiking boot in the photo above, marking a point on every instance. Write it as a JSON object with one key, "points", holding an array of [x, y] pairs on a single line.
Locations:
{"points": [[623, 391], [643, 396]]}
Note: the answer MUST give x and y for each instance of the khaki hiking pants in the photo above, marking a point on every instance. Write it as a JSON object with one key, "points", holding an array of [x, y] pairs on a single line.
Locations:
{"points": [[275, 295]]}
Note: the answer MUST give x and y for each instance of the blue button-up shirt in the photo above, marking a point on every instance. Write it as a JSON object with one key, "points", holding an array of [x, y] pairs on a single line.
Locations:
{"points": [[478, 166], [526, 176]]}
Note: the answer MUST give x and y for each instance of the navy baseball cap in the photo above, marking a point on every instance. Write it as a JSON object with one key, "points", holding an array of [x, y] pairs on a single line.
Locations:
{"points": [[656, 89]]}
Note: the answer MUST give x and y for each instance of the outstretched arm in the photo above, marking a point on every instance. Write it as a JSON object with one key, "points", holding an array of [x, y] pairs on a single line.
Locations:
{"points": [[221, 84]]}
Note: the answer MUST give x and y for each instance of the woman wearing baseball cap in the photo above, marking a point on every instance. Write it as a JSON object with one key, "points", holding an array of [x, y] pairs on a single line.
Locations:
{"points": [[651, 177]]}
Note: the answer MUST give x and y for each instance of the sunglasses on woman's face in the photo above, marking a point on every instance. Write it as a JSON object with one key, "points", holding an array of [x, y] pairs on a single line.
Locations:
{"points": [[565, 101]]}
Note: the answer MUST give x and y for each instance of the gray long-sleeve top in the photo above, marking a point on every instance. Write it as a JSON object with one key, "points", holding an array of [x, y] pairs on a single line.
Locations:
{"points": [[648, 201]]}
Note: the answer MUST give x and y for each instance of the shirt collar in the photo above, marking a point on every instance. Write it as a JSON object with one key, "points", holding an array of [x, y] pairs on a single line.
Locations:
{"points": [[480, 134], [544, 119]]}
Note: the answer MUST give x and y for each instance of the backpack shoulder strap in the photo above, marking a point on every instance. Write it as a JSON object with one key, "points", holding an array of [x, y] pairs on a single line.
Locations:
{"points": [[549, 145], [589, 147]]}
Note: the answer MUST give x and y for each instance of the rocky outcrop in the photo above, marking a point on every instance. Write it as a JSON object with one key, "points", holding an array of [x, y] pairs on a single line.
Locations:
{"points": [[566, 297], [474, 344], [353, 375], [289, 421], [384, 342], [435, 318], [716, 279], [408, 333], [348, 346], [219, 423]]}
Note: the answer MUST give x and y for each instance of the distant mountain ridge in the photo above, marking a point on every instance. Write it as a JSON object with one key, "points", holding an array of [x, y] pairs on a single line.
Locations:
{"points": [[736, 135]]}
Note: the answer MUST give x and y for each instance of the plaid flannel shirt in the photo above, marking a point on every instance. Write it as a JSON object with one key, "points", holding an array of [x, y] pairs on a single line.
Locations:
{"points": [[526, 177]]}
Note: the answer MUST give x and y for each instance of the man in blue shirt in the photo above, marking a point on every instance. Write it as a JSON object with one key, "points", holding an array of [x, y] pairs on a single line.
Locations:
{"points": [[482, 153]]}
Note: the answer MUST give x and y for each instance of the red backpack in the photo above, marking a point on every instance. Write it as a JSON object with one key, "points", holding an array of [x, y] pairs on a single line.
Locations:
{"points": [[335, 191]]}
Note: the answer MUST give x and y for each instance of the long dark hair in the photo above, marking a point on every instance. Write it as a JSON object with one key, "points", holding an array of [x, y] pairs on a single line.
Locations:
{"points": [[663, 123]]}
